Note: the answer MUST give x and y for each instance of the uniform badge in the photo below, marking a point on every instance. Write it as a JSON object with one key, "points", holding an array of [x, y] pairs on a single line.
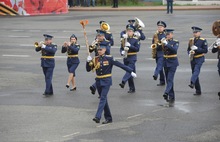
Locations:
{"points": [[105, 63]]}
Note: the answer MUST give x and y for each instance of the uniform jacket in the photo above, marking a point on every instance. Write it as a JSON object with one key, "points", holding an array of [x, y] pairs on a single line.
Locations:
{"points": [[202, 45], [73, 49], [134, 48], [108, 47], [49, 50], [171, 49], [105, 64], [109, 37]]}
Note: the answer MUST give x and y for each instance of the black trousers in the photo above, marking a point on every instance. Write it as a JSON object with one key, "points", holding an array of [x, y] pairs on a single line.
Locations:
{"points": [[115, 3]]}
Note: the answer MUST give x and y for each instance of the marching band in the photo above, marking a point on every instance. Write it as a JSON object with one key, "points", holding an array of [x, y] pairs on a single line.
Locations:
{"points": [[164, 50]]}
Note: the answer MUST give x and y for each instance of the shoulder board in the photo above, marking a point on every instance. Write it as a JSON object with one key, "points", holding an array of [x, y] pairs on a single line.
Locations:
{"points": [[191, 39], [175, 40], [202, 38], [78, 45], [135, 37], [108, 55], [108, 32]]}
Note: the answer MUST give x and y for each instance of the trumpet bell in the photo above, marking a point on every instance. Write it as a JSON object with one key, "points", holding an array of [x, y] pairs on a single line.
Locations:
{"points": [[216, 28], [105, 26], [138, 22], [36, 44]]}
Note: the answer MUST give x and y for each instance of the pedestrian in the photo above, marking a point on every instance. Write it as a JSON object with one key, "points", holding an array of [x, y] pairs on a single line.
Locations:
{"points": [[129, 48], [197, 48], [100, 39], [157, 52], [78, 3], [48, 51], [169, 6], [115, 4], [72, 49], [103, 64], [87, 3], [93, 3], [70, 3], [216, 48], [170, 65]]}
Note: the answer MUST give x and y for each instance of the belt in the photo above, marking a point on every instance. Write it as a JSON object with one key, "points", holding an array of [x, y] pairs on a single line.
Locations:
{"points": [[170, 56], [132, 53], [197, 56], [104, 76], [47, 57], [71, 56]]}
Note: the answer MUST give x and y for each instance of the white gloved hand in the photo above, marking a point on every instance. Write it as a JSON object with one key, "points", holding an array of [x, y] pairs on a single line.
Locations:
{"points": [[191, 52], [127, 44], [215, 46], [126, 48], [89, 58], [122, 52], [137, 34], [125, 36], [134, 75], [43, 46], [218, 42], [164, 42], [194, 47]]}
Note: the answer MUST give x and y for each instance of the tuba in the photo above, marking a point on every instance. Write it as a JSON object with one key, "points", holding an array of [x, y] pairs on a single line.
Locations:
{"points": [[154, 45], [138, 23], [105, 26], [214, 45]]}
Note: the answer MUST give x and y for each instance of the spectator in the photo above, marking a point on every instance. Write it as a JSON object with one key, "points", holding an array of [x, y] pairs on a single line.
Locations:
{"points": [[169, 6]]}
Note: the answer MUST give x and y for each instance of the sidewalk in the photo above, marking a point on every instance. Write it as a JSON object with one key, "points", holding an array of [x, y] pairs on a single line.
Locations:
{"points": [[144, 8]]}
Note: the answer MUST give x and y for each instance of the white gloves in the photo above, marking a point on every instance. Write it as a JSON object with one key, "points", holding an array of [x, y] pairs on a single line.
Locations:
{"points": [[125, 36], [127, 44], [133, 74], [126, 48], [43, 46], [218, 42], [191, 52], [122, 52], [194, 47], [137, 34], [164, 41], [89, 58]]}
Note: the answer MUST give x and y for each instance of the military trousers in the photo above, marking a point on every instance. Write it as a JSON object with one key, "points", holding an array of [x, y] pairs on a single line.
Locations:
{"points": [[169, 73], [127, 76], [103, 103], [48, 74], [159, 69], [196, 67]]}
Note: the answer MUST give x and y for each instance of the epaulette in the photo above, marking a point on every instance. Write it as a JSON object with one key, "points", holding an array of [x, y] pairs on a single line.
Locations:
{"points": [[175, 40], [108, 32], [202, 38], [135, 37], [191, 39], [108, 55]]}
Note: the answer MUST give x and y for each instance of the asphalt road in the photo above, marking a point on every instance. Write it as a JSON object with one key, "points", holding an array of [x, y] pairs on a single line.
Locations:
{"points": [[26, 116]]}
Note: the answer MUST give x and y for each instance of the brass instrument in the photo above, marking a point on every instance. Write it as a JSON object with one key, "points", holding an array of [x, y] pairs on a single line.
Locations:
{"points": [[191, 52], [36, 44], [214, 44], [105, 26], [138, 23], [93, 45], [154, 45], [123, 42]]}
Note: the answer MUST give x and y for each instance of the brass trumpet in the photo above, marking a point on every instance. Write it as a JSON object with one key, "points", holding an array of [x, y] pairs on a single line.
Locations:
{"points": [[36, 44]]}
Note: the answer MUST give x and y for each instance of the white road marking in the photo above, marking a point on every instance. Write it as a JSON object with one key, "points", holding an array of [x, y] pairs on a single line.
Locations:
{"points": [[103, 125], [71, 134], [35, 30], [25, 56], [17, 30], [156, 110], [14, 36], [26, 45], [134, 116]]}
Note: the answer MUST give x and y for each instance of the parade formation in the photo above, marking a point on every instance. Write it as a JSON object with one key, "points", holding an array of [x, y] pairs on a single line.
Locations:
{"points": [[164, 50]]}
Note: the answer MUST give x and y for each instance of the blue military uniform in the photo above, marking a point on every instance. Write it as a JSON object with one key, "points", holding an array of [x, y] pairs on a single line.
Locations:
{"points": [[170, 66], [94, 49], [198, 59], [48, 63], [130, 60], [103, 67], [72, 56], [159, 54]]}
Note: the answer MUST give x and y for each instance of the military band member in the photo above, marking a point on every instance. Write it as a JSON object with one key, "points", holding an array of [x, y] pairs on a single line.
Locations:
{"points": [[157, 51], [48, 51], [131, 21], [170, 65], [197, 47], [129, 48], [108, 35], [103, 64], [72, 49], [100, 39], [216, 48]]}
